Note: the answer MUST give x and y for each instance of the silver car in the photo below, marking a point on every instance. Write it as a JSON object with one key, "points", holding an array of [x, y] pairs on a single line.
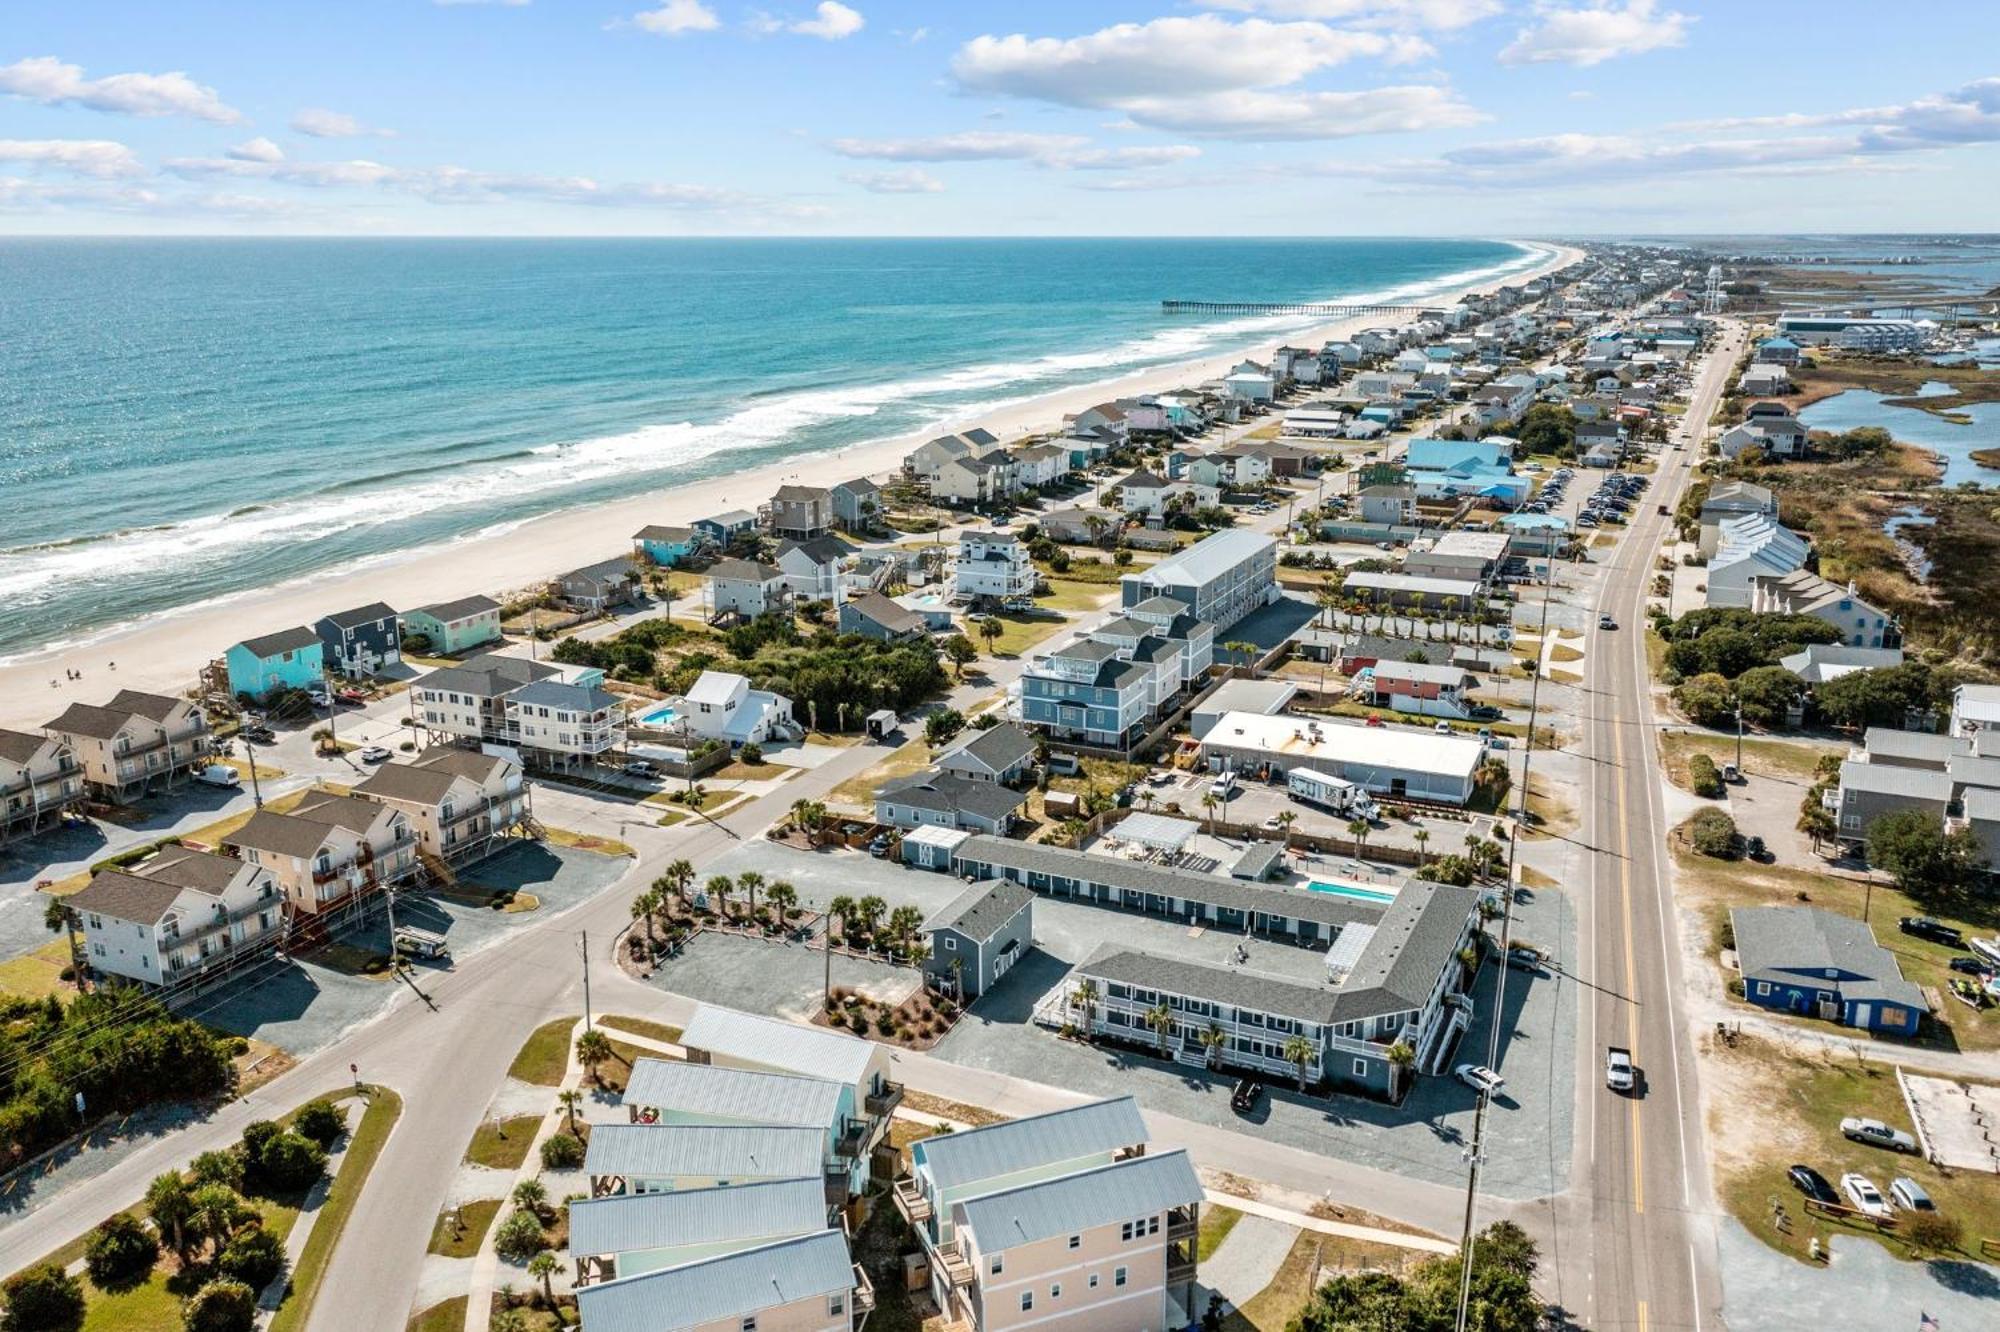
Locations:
{"points": [[1877, 1134]]}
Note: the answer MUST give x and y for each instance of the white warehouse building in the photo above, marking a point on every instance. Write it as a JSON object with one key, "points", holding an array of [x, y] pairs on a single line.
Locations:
{"points": [[1397, 761]]}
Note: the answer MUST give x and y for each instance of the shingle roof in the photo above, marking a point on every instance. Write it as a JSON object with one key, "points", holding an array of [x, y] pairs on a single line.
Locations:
{"points": [[1142, 1186], [153, 707], [768, 1210], [403, 781], [980, 911], [820, 550], [950, 793], [125, 896], [724, 1151], [1416, 939], [998, 747], [462, 608], [735, 1094], [487, 675], [87, 719], [875, 607], [774, 1043], [660, 532], [342, 811], [280, 834], [185, 867], [614, 570], [562, 695], [721, 1288], [1097, 1128], [465, 762], [800, 494], [1237, 987], [743, 571], [285, 640], [369, 614], [1780, 942], [20, 746]]}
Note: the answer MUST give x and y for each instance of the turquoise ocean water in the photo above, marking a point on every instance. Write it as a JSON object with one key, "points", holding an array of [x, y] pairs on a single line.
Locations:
{"points": [[186, 419]]}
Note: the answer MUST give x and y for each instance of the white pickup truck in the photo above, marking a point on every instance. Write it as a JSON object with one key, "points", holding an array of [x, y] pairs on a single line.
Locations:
{"points": [[1618, 1071]]}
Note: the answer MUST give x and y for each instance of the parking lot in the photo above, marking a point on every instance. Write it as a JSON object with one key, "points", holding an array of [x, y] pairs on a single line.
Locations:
{"points": [[1529, 1145]]}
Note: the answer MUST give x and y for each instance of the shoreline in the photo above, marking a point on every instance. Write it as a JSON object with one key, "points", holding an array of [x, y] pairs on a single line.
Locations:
{"points": [[163, 652]]}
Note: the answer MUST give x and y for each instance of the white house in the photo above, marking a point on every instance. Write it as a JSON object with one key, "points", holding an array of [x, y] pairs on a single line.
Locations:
{"points": [[812, 569], [178, 915], [1748, 547], [995, 565], [1804, 593], [748, 587], [723, 706]]}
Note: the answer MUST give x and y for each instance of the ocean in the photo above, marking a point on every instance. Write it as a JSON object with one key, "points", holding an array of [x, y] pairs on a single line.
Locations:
{"points": [[182, 420]]}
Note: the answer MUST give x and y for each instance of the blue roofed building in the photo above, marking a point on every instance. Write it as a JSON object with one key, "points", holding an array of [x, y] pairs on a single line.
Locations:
{"points": [[613, 1238], [810, 1282]]}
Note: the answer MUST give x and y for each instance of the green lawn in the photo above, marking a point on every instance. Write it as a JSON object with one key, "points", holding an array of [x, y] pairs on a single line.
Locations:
{"points": [[147, 1307], [579, 841], [859, 789], [446, 1317], [1785, 760], [1018, 633], [545, 1054], [364, 1146], [1216, 1223], [659, 1031], [502, 1144], [1068, 594], [474, 1220]]}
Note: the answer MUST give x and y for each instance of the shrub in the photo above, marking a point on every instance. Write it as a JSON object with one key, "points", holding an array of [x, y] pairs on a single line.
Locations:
{"points": [[120, 1252], [1705, 777], [519, 1237], [256, 1257], [1713, 833], [43, 1299], [562, 1151], [322, 1122], [1932, 1232], [224, 1168], [289, 1163], [752, 753], [223, 1305]]}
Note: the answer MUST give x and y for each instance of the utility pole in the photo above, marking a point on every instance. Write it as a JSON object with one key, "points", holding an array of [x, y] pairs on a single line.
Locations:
{"points": [[395, 953], [1739, 736], [250, 752], [584, 944]]}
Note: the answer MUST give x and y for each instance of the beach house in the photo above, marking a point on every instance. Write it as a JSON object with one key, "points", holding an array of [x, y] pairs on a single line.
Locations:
{"points": [[975, 478], [857, 505], [873, 615], [1769, 427], [1003, 754], [467, 703], [813, 568], [978, 936], [363, 641], [1817, 963], [922, 462], [1748, 547], [992, 566], [800, 513], [459, 801], [1219, 579], [40, 779], [748, 587], [726, 530], [618, 1237], [666, 546], [599, 587], [1108, 417], [177, 916], [135, 744], [330, 850], [673, 1092], [723, 706], [558, 723], [1802, 592], [731, 1039], [627, 1159], [289, 659], [1731, 499], [946, 800], [454, 627], [805, 1284]]}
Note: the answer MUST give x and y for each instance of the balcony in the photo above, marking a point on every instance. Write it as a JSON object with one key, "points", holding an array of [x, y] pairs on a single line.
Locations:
{"points": [[864, 1292], [852, 1139], [957, 1271], [1183, 1223], [883, 1100], [911, 1201], [836, 1190], [1180, 1263]]}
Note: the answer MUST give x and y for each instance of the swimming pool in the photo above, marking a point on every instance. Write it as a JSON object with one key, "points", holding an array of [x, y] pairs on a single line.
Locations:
{"points": [[1358, 892], [662, 716]]}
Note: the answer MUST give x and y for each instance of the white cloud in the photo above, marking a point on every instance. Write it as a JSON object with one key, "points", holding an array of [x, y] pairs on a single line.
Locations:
{"points": [[832, 22], [37, 196], [51, 82], [1595, 33], [1124, 159], [82, 157], [971, 146], [259, 149], [321, 123], [907, 180], [1207, 75], [674, 17], [1442, 15]]}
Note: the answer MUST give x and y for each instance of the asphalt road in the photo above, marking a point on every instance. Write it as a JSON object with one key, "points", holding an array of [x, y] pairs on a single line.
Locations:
{"points": [[1647, 1211]]}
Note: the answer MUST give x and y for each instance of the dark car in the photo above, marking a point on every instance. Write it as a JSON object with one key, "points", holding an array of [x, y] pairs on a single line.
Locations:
{"points": [[1923, 927], [1811, 1183], [1244, 1099], [1754, 848], [1971, 966], [1523, 958], [878, 846]]}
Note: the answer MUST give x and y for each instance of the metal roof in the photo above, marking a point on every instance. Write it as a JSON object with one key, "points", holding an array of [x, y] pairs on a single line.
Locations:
{"points": [[1093, 1129], [1162, 832], [774, 1043], [1207, 559], [775, 1209], [739, 1094], [721, 1288], [1141, 1186], [724, 1151]]}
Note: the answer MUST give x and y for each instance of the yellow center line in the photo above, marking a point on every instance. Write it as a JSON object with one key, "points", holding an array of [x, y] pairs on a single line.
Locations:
{"points": [[1631, 964], [1642, 1316]]}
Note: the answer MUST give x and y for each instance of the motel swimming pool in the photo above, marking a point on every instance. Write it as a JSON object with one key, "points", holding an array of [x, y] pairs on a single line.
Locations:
{"points": [[1354, 891], [661, 717]]}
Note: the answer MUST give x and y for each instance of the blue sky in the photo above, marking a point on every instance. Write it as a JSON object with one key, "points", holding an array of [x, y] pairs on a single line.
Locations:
{"points": [[970, 117]]}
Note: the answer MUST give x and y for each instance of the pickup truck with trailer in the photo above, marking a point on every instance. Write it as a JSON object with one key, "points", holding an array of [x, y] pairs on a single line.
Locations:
{"points": [[1619, 1074]]}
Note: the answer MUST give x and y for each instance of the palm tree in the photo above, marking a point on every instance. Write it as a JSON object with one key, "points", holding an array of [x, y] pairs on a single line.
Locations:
{"points": [[1213, 1038], [842, 909], [1327, 600], [782, 897], [1161, 1019], [544, 1267], [1451, 613], [171, 1207], [679, 875], [1084, 996], [750, 881], [718, 888], [1209, 800], [1401, 1057], [1286, 818], [1246, 656], [58, 916], [1300, 1052], [642, 910], [801, 814], [1358, 829], [989, 629], [1422, 838], [593, 1047], [569, 1098], [904, 922], [531, 1195], [214, 1212], [868, 914]]}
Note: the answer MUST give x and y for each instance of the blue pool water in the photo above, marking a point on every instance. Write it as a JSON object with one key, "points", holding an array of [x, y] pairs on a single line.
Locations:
{"points": [[660, 716], [1352, 890]]}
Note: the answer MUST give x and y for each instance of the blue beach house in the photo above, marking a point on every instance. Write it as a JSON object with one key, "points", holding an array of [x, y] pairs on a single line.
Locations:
{"points": [[1817, 964], [361, 641], [666, 546], [288, 659]]}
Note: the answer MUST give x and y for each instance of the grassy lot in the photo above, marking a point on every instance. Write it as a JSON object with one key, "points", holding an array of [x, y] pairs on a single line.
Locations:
{"points": [[1563, 652], [658, 1031], [1549, 814], [545, 1054], [38, 974], [1778, 1105], [904, 1132], [859, 789], [1717, 885], [1018, 633], [502, 1144], [474, 1219], [957, 1111], [363, 1147], [579, 841], [612, 1074], [709, 799], [446, 1317], [1791, 761], [1273, 1308], [1216, 1223], [1068, 594], [1656, 653]]}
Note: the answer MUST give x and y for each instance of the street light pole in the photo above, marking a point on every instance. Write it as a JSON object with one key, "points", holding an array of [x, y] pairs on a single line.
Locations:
{"points": [[584, 947]]}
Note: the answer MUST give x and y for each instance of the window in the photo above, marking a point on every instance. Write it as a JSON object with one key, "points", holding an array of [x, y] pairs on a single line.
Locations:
{"points": [[1361, 1068], [993, 1267], [836, 1305], [1117, 1276], [1093, 1281], [749, 1323], [950, 944], [1076, 1241], [1763, 987], [1055, 1291], [1027, 1300]]}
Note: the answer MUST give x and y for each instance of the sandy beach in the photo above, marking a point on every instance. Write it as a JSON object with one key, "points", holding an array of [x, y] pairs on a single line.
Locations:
{"points": [[163, 654]]}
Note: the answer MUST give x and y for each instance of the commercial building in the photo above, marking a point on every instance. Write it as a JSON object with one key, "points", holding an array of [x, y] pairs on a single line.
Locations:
{"points": [[1396, 761], [1856, 333], [1453, 596], [1465, 556], [1220, 579], [1818, 964]]}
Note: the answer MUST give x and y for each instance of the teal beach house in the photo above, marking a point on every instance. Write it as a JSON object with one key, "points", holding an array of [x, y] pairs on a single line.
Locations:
{"points": [[288, 659]]}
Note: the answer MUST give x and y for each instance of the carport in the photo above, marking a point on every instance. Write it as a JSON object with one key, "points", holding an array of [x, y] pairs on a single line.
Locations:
{"points": [[1159, 834]]}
